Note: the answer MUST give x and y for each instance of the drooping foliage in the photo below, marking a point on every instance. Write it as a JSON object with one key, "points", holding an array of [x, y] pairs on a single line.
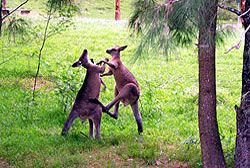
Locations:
{"points": [[65, 8], [164, 26], [16, 26]]}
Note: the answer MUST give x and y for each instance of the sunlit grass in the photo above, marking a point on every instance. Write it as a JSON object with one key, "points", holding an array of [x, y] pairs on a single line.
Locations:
{"points": [[30, 131]]}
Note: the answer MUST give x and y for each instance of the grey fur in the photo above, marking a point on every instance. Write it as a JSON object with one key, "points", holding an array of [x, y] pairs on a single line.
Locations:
{"points": [[90, 89]]}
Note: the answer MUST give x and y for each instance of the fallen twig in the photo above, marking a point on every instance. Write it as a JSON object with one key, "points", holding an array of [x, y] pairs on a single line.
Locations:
{"points": [[84, 134], [7, 60]]}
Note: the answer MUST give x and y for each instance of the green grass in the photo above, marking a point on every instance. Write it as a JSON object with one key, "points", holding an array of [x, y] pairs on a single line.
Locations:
{"points": [[30, 131], [87, 8]]}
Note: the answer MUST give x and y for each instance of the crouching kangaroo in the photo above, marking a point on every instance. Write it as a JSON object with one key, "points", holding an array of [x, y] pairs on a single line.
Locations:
{"points": [[126, 89], [90, 89]]}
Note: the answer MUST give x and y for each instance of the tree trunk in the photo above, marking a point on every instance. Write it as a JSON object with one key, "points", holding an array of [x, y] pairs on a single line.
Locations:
{"points": [[117, 10], [211, 149], [242, 146]]}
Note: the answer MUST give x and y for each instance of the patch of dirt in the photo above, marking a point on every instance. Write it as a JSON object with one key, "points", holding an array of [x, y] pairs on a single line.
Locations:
{"points": [[29, 83], [176, 164], [110, 156], [4, 163]]}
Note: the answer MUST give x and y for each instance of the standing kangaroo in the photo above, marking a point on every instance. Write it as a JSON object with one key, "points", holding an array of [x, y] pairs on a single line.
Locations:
{"points": [[90, 89], [126, 89]]}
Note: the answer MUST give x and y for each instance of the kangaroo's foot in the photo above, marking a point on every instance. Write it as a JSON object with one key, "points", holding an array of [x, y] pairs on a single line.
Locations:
{"points": [[104, 109], [113, 116], [96, 101], [64, 132], [139, 125]]}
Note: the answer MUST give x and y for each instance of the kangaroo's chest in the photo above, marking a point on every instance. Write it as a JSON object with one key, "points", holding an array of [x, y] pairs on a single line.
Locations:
{"points": [[91, 87]]}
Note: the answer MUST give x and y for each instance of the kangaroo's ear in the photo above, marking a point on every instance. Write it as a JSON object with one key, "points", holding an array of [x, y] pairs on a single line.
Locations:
{"points": [[123, 48]]}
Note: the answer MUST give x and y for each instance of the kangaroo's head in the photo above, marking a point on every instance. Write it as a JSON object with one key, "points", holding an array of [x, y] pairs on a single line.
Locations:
{"points": [[83, 60], [116, 50]]}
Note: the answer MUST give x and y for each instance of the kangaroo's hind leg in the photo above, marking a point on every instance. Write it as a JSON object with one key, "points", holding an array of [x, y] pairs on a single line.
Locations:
{"points": [[72, 116], [91, 130], [116, 108], [97, 121], [137, 115], [127, 92]]}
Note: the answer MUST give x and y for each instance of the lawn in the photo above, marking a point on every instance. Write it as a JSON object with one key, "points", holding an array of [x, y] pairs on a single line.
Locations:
{"points": [[87, 8], [30, 130]]}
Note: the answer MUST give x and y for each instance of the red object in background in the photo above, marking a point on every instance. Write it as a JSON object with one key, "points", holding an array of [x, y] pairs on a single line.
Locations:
{"points": [[117, 10], [4, 4], [242, 9]]}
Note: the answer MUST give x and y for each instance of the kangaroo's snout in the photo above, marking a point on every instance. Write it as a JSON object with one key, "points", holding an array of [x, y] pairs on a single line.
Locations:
{"points": [[83, 60], [85, 51], [108, 51], [77, 64]]}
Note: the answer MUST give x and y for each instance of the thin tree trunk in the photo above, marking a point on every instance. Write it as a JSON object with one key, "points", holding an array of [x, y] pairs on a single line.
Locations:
{"points": [[117, 10], [40, 53], [211, 149], [1, 19], [242, 147]]}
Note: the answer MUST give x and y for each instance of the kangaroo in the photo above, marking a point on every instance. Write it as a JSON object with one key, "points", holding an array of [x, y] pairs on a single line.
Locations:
{"points": [[126, 88], [90, 89]]}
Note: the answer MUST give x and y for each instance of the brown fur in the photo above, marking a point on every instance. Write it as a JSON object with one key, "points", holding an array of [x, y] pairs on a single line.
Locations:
{"points": [[127, 89], [90, 89]]}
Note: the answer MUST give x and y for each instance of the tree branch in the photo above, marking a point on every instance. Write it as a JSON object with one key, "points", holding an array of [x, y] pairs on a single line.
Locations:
{"points": [[244, 13], [230, 9], [167, 3], [237, 46], [15, 9], [41, 49]]}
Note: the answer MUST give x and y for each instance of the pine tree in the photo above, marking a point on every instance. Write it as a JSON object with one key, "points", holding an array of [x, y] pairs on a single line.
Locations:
{"points": [[177, 22]]}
